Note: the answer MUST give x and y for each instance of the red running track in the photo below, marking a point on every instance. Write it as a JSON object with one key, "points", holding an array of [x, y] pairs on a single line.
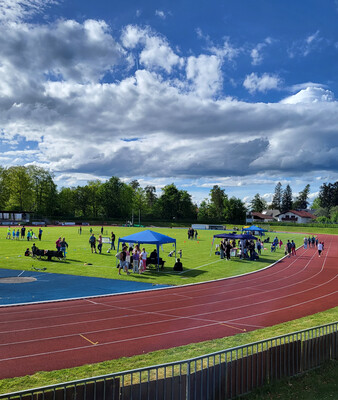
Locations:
{"points": [[52, 336]]}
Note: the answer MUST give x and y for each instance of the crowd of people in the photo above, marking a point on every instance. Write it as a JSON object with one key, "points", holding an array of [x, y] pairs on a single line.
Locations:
{"points": [[244, 249], [248, 249], [135, 257], [20, 233]]}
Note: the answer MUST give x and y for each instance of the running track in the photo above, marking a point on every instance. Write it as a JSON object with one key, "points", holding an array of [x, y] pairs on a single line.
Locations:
{"points": [[52, 336]]}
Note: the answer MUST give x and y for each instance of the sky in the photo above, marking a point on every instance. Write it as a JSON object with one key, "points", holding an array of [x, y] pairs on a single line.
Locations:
{"points": [[240, 94]]}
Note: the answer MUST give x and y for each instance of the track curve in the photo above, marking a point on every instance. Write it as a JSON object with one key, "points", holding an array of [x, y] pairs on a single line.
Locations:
{"points": [[67, 334]]}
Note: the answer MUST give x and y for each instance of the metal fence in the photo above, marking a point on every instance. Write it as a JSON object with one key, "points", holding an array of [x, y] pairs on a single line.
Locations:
{"points": [[221, 375]]}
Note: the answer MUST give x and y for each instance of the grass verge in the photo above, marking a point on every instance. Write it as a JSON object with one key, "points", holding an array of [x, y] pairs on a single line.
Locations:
{"points": [[318, 384]]}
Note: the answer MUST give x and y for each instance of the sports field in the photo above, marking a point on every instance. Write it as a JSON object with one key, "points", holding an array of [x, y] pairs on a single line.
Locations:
{"points": [[199, 260], [199, 265]]}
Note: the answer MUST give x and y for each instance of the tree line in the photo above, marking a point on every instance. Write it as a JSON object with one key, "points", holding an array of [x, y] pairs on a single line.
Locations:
{"points": [[32, 189]]}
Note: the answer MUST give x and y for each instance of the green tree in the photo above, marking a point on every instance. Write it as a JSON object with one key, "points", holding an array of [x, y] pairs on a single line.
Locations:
{"points": [[217, 200], [174, 204], [334, 214], [328, 196], [316, 203], [204, 214], [116, 198], [277, 197], [66, 202], [82, 196], [287, 203], [45, 191], [235, 211], [3, 189], [258, 204], [20, 189], [169, 202], [95, 208], [302, 199]]}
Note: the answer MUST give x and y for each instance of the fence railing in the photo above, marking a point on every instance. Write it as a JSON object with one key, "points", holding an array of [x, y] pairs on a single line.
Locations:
{"points": [[221, 375]]}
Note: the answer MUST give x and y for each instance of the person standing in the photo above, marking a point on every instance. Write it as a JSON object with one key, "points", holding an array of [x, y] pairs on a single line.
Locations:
{"points": [[143, 262], [23, 233], [227, 249], [136, 258], [305, 242], [112, 239], [222, 249], [17, 234], [123, 256], [58, 244], [63, 247], [289, 248], [99, 245], [8, 236], [40, 234], [293, 248], [92, 241]]}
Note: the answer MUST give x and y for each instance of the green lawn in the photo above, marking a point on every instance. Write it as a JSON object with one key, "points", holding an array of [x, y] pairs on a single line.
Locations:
{"points": [[199, 266]]}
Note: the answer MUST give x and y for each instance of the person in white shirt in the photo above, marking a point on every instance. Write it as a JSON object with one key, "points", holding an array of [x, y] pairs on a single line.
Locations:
{"points": [[320, 248]]}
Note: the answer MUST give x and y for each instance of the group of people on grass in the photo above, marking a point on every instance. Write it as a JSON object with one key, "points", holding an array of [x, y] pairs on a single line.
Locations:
{"points": [[245, 249], [99, 242], [135, 257], [192, 234], [20, 233], [61, 245]]}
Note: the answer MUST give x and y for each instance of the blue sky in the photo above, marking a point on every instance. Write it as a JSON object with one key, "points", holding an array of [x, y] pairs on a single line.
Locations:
{"points": [[241, 94]]}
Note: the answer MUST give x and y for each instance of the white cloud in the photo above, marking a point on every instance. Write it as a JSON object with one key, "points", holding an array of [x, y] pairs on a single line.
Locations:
{"points": [[256, 52], [262, 83], [205, 74], [306, 46], [17, 10], [52, 94], [161, 14], [310, 95], [155, 51]]}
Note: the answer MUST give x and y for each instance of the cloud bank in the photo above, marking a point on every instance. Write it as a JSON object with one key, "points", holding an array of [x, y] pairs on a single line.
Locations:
{"points": [[79, 99]]}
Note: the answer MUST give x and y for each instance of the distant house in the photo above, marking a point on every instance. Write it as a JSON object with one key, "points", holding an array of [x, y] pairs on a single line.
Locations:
{"points": [[14, 217], [296, 216], [264, 216]]}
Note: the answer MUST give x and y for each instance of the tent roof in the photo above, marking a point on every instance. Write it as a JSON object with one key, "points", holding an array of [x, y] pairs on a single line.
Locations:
{"points": [[235, 236], [254, 228], [147, 237]]}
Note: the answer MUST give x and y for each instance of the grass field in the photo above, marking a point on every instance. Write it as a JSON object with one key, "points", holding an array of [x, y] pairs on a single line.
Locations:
{"points": [[199, 266]]}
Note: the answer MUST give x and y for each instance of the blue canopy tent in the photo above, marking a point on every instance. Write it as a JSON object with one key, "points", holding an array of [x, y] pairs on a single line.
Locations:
{"points": [[235, 236], [148, 237], [253, 229]]}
